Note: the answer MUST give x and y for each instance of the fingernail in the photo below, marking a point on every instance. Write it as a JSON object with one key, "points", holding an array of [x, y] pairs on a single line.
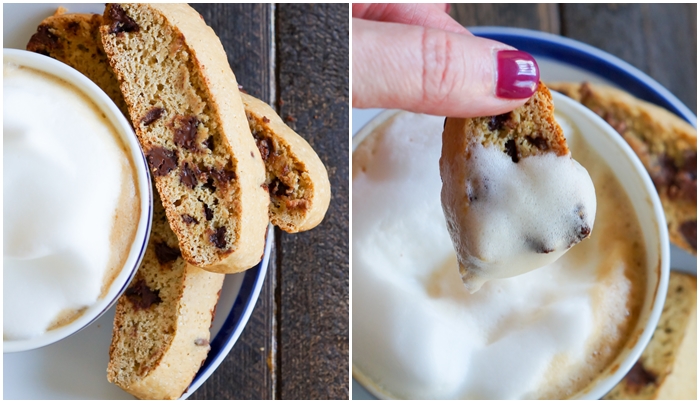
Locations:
{"points": [[518, 74]]}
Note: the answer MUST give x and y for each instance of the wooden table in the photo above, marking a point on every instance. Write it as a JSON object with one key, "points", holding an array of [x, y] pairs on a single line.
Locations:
{"points": [[296, 344], [659, 39]]}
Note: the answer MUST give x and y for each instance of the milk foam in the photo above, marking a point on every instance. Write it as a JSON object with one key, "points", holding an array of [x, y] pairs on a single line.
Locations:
{"points": [[63, 166], [419, 334], [512, 218]]}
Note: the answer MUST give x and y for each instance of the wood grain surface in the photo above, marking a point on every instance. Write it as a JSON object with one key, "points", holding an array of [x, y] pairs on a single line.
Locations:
{"points": [[296, 343], [659, 39]]}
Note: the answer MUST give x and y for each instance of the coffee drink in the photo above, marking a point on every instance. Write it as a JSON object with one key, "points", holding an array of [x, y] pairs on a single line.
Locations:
{"points": [[419, 334], [71, 205]]}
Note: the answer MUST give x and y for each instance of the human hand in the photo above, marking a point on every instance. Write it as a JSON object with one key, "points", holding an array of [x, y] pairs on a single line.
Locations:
{"points": [[417, 58]]}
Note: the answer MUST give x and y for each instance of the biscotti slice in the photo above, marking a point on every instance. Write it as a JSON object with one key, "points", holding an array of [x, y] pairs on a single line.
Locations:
{"points": [[526, 131], [161, 327], [514, 200], [183, 101], [296, 178], [75, 40], [299, 196], [667, 368], [665, 143]]}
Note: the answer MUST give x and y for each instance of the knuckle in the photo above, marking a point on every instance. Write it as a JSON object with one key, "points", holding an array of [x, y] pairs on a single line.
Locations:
{"points": [[439, 75]]}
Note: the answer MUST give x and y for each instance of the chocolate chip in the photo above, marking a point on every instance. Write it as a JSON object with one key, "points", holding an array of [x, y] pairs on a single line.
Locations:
{"points": [[209, 143], [43, 37], [161, 160], [73, 27], [165, 253], [188, 176], [120, 22], [188, 219], [265, 147], [689, 229], [538, 246], [222, 176], [218, 238], [142, 296], [278, 188], [208, 214], [186, 132], [639, 377], [210, 185], [151, 116], [512, 150], [201, 342], [539, 142], [497, 122], [265, 119]]}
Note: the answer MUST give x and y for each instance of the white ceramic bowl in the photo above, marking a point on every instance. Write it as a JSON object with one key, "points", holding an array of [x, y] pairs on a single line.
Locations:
{"points": [[630, 172], [123, 127]]}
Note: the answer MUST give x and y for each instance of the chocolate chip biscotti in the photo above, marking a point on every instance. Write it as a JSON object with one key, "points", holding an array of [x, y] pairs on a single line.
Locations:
{"points": [[665, 143], [75, 40], [296, 178], [186, 110], [161, 327], [667, 368]]}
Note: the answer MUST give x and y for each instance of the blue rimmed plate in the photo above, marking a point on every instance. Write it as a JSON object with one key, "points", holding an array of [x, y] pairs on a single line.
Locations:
{"points": [[76, 367], [564, 59]]}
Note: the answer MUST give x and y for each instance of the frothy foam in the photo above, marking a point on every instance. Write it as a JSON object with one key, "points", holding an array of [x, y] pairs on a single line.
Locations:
{"points": [[506, 219], [419, 334], [66, 181]]}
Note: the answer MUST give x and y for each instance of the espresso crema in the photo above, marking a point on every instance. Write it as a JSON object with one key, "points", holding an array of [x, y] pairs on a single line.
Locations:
{"points": [[71, 207], [419, 334]]}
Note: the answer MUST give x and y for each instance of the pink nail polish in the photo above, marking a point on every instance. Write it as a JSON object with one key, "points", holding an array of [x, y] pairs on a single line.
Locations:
{"points": [[518, 74]]}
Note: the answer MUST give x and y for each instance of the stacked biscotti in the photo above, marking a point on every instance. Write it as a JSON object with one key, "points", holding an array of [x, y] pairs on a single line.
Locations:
{"points": [[667, 368], [218, 189], [666, 145]]}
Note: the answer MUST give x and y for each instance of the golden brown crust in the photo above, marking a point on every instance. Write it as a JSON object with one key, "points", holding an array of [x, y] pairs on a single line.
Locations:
{"points": [[656, 368], [296, 178], [180, 90], [665, 144]]}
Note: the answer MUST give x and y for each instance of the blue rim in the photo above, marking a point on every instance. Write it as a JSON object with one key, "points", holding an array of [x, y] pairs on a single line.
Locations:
{"points": [[580, 55]]}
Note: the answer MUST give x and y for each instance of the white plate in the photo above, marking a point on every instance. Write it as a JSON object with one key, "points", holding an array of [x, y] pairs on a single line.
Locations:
{"points": [[563, 59], [76, 368]]}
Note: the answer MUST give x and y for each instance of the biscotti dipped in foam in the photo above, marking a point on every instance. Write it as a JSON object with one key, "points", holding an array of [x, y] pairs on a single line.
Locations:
{"points": [[514, 199], [161, 327], [183, 101], [296, 178]]}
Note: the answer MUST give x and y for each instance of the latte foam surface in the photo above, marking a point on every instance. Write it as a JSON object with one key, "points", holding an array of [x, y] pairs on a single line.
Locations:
{"points": [[417, 331]]}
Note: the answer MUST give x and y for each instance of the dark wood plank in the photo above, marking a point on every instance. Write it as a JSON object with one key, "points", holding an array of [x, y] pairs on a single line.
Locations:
{"points": [[659, 39], [313, 62], [542, 17], [248, 371]]}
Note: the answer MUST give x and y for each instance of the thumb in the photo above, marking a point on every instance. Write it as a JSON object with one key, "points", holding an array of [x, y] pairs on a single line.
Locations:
{"points": [[440, 73]]}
